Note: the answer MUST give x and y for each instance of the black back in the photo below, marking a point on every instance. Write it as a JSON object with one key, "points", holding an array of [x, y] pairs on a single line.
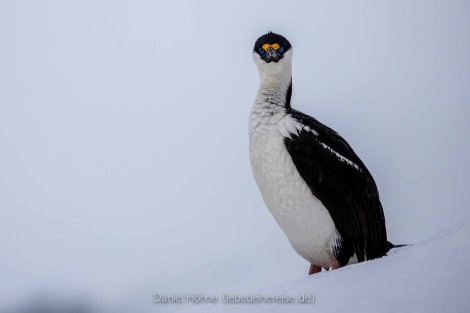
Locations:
{"points": [[341, 181]]}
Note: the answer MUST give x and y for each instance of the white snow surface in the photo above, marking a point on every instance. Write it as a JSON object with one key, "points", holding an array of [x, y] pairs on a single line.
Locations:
{"points": [[430, 276]]}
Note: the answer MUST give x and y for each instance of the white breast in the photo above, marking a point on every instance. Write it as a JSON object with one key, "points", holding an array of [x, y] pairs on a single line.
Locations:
{"points": [[303, 218]]}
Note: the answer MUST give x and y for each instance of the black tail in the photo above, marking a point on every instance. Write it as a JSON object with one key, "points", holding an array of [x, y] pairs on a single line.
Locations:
{"points": [[391, 246]]}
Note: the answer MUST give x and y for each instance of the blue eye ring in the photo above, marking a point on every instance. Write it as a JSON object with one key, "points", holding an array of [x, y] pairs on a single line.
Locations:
{"points": [[280, 50], [261, 51]]}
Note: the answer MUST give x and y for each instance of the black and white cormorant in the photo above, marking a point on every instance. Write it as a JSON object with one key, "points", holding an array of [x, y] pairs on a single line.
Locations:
{"points": [[318, 190]]}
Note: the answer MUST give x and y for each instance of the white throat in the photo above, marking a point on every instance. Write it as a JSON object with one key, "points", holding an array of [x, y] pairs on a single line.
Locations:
{"points": [[275, 79], [269, 109]]}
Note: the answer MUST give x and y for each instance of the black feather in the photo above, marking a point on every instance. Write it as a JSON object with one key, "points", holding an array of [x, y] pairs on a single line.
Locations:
{"points": [[341, 181]]}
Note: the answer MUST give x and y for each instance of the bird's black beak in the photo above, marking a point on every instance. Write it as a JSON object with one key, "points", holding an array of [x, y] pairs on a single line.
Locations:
{"points": [[271, 55]]}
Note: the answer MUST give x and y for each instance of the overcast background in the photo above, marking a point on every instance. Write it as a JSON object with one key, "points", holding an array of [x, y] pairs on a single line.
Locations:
{"points": [[124, 163]]}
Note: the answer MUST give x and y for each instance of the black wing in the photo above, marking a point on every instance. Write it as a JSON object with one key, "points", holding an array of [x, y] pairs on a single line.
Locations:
{"points": [[341, 181]]}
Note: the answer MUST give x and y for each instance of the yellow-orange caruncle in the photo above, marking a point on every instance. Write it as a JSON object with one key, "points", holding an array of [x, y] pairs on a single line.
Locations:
{"points": [[266, 46]]}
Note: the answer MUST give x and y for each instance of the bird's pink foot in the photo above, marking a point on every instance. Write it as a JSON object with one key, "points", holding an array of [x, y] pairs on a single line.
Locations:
{"points": [[314, 269], [334, 263]]}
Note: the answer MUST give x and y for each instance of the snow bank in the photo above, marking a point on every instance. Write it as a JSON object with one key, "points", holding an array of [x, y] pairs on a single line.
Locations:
{"points": [[431, 276]]}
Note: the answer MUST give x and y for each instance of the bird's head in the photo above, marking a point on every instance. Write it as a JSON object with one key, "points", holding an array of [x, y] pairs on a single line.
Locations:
{"points": [[272, 53]]}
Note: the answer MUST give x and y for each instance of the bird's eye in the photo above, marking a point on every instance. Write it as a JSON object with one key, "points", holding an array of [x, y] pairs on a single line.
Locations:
{"points": [[281, 50], [261, 51]]}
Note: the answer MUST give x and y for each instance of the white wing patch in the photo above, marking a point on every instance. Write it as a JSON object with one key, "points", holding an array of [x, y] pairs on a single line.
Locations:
{"points": [[289, 126], [309, 130], [341, 158]]}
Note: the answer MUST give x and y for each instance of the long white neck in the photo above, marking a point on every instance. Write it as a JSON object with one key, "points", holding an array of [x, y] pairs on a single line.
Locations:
{"points": [[274, 93], [275, 81]]}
